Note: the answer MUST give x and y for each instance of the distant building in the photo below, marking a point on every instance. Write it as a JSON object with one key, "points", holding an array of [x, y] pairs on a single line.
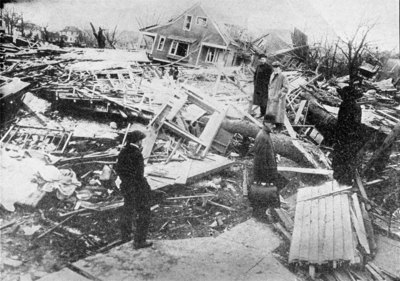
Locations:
{"points": [[192, 38], [71, 34], [34, 31]]}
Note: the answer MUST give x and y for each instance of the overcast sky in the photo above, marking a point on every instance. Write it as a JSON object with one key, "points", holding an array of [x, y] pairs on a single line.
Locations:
{"points": [[342, 15]]}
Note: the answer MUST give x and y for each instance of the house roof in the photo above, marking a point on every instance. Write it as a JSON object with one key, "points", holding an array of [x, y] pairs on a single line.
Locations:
{"points": [[221, 27], [71, 28]]}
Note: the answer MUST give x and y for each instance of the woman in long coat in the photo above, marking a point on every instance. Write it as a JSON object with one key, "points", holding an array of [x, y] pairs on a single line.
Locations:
{"points": [[277, 91]]}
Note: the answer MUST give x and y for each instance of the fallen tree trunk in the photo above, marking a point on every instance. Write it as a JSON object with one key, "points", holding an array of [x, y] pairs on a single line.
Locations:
{"points": [[325, 122], [305, 154]]}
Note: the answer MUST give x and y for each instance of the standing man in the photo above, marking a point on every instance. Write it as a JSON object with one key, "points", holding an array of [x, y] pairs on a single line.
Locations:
{"points": [[261, 81], [347, 141], [135, 189], [278, 89], [265, 168]]}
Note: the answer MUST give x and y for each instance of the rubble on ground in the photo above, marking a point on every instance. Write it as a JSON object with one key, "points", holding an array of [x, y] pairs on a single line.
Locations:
{"points": [[195, 150]]}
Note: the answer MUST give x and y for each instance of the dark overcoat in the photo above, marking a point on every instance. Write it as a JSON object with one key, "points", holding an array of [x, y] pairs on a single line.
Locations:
{"points": [[261, 81], [130, 169], [265, 167]]}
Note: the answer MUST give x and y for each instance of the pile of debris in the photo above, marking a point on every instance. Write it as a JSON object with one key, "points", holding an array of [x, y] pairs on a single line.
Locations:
{"points": [[193, 125]]}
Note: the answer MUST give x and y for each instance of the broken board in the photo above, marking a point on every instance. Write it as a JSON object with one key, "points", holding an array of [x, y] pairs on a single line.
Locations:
{"points": [[162, 175]]}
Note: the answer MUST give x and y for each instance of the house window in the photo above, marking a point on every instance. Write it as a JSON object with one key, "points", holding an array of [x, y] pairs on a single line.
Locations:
{"points": [[201, 21], [212, 55], [161, 43], [179, 49], [188, 23]]}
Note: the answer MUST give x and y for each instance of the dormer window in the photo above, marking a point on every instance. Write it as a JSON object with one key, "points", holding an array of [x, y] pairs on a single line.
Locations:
{"points": [[187, 23], [201, 21]]}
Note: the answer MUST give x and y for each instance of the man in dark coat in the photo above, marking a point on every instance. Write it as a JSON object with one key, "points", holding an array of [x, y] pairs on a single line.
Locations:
{"points": [[135, 189], [347, 139], [265, 167], [261, 82]]}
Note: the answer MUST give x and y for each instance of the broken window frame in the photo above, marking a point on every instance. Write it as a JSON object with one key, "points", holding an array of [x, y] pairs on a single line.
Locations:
{"points": [[187, 23], [203, 22], [161, 43], [212, 55], [173, 50]]}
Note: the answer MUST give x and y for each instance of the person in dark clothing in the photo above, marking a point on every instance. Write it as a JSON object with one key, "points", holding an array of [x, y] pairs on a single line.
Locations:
{"points": [[261, 81], [135, 189], [265, 167], [347, 139], [175, 73]]}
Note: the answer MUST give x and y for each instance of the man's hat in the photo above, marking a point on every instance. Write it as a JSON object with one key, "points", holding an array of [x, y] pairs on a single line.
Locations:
{"points": [[262, 56], [269, 118], [135, 136], [276, 63]]}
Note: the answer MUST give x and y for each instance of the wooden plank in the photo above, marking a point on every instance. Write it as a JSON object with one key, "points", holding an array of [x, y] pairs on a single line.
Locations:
{"points": [[177, 106], [182, 179], [291, 131], [296, 237], [299, 111], [364, 240], [347, 229], [360, 235], [183, 133], [282, 230], [148, 142], [369, 228], [337, 226], [306, 170], [321, 228], [314, 228], [285, 219], [360, 185], [329, 230], [305, 227], [211, 129]]}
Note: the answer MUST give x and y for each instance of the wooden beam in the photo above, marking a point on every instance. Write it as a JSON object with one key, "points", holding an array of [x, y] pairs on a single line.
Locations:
{"points": [[324, 172]]}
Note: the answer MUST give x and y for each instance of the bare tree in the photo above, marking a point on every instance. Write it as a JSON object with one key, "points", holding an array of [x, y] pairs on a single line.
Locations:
{"points": [[100, 37], [11, 19], [112, 37], [354, 49]]}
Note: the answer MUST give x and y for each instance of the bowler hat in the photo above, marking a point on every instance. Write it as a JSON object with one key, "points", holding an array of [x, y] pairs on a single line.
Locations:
{"points": [[135, 136], [276, 63]]}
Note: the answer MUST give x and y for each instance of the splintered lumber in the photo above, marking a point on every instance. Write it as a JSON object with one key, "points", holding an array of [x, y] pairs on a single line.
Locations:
{"points": [[285, 219], [360, 185], [192, 196], [54, 227], [282, 230], [360, 224], [386, 144], [220, 205], [182, 179]]}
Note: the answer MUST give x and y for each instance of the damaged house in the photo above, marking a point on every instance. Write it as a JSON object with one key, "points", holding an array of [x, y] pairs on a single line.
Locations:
{"points": [[192, 38]]}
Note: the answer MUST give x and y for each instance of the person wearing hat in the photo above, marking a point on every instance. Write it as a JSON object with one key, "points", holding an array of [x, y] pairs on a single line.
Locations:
{"points": [[265, 168], [261, 81], [278, 88], [135, 189]]}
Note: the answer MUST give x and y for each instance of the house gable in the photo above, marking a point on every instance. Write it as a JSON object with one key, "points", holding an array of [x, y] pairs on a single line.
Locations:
{"points": [[208, 33]]}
